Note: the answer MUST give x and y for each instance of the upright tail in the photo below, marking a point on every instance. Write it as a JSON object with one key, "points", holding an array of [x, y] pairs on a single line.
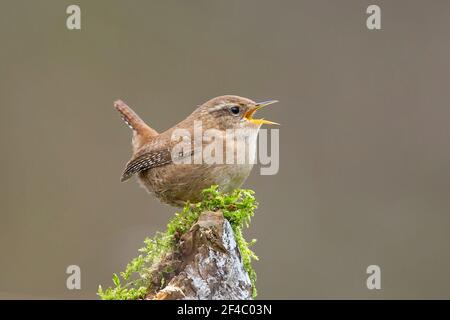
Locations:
{"points": [[141, 131]]}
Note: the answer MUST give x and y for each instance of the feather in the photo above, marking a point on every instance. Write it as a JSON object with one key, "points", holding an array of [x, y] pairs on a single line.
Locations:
{"points": [[146, 161]]}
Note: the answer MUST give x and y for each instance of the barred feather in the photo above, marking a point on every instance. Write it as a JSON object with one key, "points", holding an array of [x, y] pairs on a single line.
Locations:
{"points": [[133, 120], [146, 161]]}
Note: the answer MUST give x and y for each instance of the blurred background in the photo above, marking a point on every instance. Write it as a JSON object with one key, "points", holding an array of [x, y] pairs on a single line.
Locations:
{"points": [[364, 157]]}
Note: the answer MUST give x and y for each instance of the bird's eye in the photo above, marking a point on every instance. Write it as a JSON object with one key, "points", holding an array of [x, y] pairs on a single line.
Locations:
{"points": [[235, 110]]}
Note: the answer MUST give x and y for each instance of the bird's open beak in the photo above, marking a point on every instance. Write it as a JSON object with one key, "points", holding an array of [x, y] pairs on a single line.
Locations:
{"points": [[249, 114]]}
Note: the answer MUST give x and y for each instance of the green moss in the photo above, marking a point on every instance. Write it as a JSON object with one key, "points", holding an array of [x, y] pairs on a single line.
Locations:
{"points": [[138, 278]]}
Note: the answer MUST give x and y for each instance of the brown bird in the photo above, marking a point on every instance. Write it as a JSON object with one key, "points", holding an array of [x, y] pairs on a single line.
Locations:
{"points": [[172, 164]]}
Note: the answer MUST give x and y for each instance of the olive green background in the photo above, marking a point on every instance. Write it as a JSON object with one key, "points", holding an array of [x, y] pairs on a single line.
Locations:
{"points": [[364, 142]]}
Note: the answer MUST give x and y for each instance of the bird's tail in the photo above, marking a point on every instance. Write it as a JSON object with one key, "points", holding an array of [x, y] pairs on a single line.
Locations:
{"points": [[132, 119], [141, 131]]}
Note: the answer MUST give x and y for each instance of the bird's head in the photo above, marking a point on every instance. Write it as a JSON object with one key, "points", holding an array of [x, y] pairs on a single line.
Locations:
{"points": [[231, 112]]}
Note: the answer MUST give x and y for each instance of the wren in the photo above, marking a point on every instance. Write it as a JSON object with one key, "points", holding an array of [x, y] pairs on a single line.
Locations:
{"points": [[175, 181]]}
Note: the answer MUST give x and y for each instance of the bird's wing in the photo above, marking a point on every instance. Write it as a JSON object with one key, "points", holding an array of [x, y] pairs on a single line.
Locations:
{"points": [[145, 161], [148, 159]]}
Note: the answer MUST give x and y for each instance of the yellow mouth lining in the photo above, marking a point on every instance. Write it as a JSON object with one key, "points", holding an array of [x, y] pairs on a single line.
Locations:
{"points": [[249, 114]]}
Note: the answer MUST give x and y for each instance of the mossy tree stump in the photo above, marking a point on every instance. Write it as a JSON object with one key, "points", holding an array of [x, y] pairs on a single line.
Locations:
{"points": [[210, 266], [202, 254]]}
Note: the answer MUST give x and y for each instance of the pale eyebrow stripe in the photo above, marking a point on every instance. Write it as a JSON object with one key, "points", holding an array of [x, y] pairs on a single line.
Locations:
{"points": [[218, 107]]}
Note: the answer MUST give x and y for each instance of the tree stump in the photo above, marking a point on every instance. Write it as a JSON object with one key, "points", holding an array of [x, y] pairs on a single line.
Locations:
{"points": [[208, 264]]}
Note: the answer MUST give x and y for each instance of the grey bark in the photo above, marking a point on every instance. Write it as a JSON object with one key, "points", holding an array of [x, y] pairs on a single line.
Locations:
{"points": [[210, 264]]}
